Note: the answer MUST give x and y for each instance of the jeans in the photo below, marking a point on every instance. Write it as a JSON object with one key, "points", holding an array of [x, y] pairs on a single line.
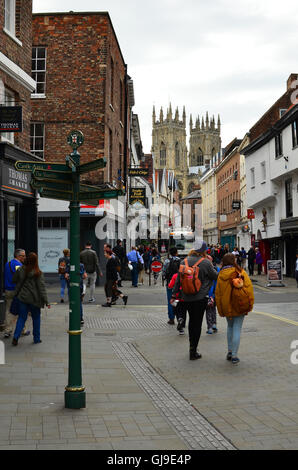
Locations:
{"points": [[233, 333], [23, 313], [134, 274], [196, 312], [171, 314], [63, 284], [92, 277]]}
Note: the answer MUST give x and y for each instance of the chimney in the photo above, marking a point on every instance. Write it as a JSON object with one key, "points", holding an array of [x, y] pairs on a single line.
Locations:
{"points": [[292, 78]]}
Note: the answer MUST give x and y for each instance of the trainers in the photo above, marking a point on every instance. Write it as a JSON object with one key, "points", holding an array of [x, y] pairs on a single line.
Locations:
{"points": [[214, 328], [181, 332], [82, 322], [209, 332], [235, 360], [229, 356], [125, 297], [91, 300], [180, 324], [7, 335]]}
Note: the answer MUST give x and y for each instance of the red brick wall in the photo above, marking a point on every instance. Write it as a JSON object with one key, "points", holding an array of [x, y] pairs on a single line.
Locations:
{"points": [[79, 52], [20, 54], [227, 190]]}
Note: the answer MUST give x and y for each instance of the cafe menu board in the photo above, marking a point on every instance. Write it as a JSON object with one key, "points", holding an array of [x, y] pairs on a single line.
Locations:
{"points": [[274, 270]]}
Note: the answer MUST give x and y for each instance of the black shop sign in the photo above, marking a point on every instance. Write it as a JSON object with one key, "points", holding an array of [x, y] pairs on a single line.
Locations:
{"points": [[137, 195], [11, 119]]}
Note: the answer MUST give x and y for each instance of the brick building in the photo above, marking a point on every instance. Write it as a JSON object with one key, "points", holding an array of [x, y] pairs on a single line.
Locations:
{"points": [[81, 84], [18, 209], [228, 190]]}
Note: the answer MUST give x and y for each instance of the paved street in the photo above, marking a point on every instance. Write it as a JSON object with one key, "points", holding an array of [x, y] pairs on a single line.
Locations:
{"points": [[142, 392]]}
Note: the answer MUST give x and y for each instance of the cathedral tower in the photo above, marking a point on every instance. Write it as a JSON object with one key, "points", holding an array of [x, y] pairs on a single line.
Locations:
{"points": [[204, 142]]}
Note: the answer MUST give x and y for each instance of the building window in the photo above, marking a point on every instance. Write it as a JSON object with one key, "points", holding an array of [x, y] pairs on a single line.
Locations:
{"points": [[252, 177], [10, 16], [52, 222], [39, 57], [112, 83], [263, 172], [163, 155], [177, 155], [9, 100], [200, 158], [295, 133], [37, 133], [289, 198], [278, 145]]}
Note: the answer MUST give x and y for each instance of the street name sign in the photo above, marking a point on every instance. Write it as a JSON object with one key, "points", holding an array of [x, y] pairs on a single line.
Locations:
{"points": [[31, 166], [94, 165]]}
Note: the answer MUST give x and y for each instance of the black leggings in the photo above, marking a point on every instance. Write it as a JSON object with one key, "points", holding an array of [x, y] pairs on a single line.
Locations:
{"points": [[196, 312]]}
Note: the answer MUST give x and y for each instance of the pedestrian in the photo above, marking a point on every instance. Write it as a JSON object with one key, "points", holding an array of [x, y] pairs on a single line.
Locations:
{"points": [[211, 307], [259, 261], [90, 261], [62, 269], [296, 270], [179, 306], [134, 258], [196, 302], [120, 253], [170, 267], [32, 296], [226, 248], [111, 289], [141, 265], [237, 255], [243, 258], [155, 256], [10, 288], [251, 257], [146, 258], [228, 307]]}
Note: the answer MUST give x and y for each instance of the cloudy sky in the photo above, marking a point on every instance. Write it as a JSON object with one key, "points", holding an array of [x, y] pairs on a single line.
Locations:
{"points": [[227, 57]]}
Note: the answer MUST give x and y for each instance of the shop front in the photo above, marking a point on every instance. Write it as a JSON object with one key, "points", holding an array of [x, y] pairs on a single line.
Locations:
{"points": [[18, 207], [289, 231]]}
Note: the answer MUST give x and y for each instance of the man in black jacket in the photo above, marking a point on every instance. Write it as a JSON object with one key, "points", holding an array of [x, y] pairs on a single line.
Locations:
{"points": [[120, 253]]}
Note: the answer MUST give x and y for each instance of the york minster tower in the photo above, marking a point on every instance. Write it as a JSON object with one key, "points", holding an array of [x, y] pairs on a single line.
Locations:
{"points": [[169, 147]]}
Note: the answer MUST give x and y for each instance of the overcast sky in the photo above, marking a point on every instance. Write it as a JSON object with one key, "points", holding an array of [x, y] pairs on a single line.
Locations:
{"points": [[227, 57]]}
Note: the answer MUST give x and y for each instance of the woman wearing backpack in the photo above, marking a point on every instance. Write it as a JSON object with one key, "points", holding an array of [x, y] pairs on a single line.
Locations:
{"points": [[194, 291], [234, 299]]}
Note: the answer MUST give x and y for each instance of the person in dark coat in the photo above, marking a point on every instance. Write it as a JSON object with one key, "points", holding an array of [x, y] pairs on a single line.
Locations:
{"points": [[251, 257], [111, 279], [259, 261]]}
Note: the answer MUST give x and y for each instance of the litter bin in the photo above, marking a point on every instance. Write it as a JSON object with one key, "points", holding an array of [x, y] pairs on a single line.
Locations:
{"points": [[2, 312]]}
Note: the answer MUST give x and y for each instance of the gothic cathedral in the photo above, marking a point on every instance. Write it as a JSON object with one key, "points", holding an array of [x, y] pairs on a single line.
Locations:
{"points": [[169, 147]]}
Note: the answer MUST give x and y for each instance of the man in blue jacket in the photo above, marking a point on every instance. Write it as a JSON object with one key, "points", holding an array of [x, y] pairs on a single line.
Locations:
{"points": [[9, 270], [134, 258]]}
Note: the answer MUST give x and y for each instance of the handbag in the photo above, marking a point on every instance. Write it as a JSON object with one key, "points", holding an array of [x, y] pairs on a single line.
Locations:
{"points": [[15, 304]]}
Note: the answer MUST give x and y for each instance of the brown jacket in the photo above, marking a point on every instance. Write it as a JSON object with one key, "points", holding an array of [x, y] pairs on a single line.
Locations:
{"points": [[224, 289]]}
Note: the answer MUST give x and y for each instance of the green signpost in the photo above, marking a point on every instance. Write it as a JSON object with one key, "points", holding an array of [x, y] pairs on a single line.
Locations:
{"points": [[62, 181]]}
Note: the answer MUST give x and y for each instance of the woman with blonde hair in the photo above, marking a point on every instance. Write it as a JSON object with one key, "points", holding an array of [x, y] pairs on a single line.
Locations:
{"points": [[234, 299], [31, 295]]}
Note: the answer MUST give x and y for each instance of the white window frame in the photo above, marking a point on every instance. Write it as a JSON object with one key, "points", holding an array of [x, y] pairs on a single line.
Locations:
{"points": [[263, 172], [39, 153], [10, 16], [9, 100], [252, 178], [35, 71]]}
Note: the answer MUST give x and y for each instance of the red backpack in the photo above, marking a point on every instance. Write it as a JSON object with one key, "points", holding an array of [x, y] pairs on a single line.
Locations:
{"points": [[189, 277]]}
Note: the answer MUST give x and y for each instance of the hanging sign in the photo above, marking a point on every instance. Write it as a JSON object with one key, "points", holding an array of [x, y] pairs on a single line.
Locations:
{"points": [[138, 172], [11, 119], [137, 195]]}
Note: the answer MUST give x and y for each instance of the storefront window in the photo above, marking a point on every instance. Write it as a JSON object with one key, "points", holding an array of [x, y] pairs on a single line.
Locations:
{"points": [[11, 232]]}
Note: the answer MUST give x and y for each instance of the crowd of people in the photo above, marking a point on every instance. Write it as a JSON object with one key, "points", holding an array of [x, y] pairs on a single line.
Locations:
{"points": [[204, 282]]}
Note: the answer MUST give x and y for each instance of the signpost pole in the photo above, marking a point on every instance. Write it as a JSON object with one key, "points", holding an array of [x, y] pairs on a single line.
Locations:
{"points": [[75, 395]]}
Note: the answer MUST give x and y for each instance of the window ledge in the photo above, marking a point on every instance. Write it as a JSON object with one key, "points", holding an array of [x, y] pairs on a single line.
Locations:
{"points": [[263, 182], [252, 187], [14, 38], [277, 157], [38, 96]]}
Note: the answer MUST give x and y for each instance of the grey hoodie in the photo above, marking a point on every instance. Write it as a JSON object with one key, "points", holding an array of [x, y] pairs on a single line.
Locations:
{"points": [[207, 274]]}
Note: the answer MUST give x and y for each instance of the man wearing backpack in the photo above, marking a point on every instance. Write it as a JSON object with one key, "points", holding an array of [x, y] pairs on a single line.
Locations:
{"points": [[195, 277], [170, 267]]}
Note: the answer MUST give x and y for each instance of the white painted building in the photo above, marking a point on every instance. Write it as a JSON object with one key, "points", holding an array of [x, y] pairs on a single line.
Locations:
{"points": [[272, 189]]}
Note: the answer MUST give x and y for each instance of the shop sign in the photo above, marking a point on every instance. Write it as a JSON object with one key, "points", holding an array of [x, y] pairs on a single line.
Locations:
{"points": [[236, 205], [137, 195], [274, 271], [16, 181], [11, 119], [138, 172], [250, 214]]}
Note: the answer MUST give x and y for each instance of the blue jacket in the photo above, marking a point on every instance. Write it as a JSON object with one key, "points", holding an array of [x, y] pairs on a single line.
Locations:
{"points": [[8, 273], [211, 292]]}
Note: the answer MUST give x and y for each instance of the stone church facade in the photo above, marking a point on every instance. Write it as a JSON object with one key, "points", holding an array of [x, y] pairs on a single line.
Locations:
{"points": [[170, 151]]}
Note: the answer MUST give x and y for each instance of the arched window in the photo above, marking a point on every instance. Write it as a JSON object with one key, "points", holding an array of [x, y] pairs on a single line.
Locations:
{"points": [[191, 188], [177, 155], [200, 158], [163, 155]]}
